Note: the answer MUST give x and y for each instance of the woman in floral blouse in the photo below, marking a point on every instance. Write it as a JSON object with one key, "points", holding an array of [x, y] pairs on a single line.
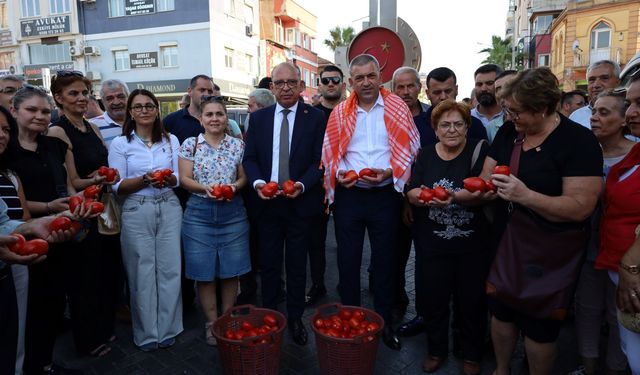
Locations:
{"points": [[215, 230]]}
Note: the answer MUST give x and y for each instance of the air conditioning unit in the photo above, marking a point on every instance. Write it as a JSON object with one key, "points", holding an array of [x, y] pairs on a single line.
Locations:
{"points": [[93, 76], [92, 51], [248, 30], [76, 51]]}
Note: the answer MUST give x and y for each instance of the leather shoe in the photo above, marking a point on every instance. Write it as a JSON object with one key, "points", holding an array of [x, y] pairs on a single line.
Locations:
{"points": [[432, 364], [315, 293], [390, 339], [59, 370], [298, 332], [413, 327]]}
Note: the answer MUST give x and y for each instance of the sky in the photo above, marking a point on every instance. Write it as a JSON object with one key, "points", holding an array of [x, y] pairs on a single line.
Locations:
{"points": [[451, 32]]}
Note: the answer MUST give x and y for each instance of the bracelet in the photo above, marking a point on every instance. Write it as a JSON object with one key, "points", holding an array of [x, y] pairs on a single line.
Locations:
{"points": [[633, 269]]}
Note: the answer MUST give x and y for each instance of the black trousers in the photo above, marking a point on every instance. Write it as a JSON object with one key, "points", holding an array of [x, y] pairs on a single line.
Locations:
{"points": [[376, 211], [461, 276], [317, 258], [45, 308], [283, 235], [8, 322], [403, 249], [92, 281]]}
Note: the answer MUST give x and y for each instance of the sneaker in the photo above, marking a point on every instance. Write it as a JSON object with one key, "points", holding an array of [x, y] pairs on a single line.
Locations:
{"points": [[148, 347], [167, 343]]}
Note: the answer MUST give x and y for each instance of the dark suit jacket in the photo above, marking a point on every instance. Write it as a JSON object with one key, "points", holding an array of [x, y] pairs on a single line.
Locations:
{"points": [[304, 157]]}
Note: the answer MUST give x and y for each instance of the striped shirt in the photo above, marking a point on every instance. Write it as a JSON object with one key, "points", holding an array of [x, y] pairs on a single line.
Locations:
{"points": [[109, 129], [9, 194]]}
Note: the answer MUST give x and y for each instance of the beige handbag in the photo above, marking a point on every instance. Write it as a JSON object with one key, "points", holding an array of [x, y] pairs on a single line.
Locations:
{"points": [[630, 321], [109, 219]]}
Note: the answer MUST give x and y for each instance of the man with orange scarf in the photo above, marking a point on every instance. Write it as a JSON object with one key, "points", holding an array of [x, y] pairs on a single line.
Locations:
{"points": [[374, 130]]}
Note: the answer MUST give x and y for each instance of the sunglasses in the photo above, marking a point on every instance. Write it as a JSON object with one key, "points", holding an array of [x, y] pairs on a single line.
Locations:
{"points": [[325, 80], [67, 73], [212, 98], [27, 86]]}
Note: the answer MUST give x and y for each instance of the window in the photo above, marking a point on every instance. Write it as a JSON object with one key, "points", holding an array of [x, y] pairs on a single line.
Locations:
{"points": [[307, 76], [166, 5], [278, 32], [543, 60], [291, 35], [228, 57], [59, 6], [116, 8], [121, 60], [314, 80], [248, 14], [169, 56], [4, 14], [30, 8], [7, 59], [601, 36], [44, 54], [249, 60], [541, 24]]}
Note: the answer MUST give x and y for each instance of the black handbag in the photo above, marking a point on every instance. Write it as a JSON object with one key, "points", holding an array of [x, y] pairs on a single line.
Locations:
{"points": [[537, 264]]}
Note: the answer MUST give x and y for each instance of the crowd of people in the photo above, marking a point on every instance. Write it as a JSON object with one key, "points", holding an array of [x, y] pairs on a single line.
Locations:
{"points": [[520, 208]]}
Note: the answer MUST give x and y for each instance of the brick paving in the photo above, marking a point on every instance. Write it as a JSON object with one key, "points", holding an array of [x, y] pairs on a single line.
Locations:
{"points": [[191, 355]]}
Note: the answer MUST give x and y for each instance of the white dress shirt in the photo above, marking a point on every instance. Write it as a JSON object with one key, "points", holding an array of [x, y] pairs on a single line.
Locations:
{"points": [[275, 152], [134, 159], [369, 146], [582, 116]]}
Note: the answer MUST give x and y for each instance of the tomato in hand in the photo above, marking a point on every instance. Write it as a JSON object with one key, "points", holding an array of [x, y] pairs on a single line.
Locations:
{"points": [[60, 223], [473, 184], [166, 172], [36, 246], [350, 176], [227, 192], [426, 195], [17, 246], [95, 206], [367, 172], [74, 202], [216, 191], [289, 187], [270, 189], [111, 174], [502, 169], [491, 186], [91, 191], [102, 171], [440, 193]]}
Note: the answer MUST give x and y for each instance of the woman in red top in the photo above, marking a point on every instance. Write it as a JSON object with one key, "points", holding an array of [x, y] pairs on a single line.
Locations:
{"points": [[619, 246]]}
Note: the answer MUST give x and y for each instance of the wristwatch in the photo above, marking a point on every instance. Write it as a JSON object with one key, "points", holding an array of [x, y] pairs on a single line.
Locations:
{"points": [[633, 269], [145, 180]]}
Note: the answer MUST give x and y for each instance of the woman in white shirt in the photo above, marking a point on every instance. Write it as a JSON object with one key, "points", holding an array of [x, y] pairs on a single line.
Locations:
{"points": [[150, 237]]}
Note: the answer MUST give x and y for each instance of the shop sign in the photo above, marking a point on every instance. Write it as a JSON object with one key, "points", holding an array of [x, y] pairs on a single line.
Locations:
{"points": [[143, 60], [139, 7], [45, 26], [162, 87]]}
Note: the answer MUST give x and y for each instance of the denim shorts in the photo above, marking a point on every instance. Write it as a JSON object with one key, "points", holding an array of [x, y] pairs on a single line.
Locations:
{"points": [[215, 236]]}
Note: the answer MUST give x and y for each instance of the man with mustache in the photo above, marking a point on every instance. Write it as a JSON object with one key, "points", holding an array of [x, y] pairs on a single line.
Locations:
{"points": [[488, 107], [114, 94]]}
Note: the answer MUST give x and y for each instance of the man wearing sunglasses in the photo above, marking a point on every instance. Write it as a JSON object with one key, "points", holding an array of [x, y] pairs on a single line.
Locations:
{"points": [[8, 87], [331, 88]]}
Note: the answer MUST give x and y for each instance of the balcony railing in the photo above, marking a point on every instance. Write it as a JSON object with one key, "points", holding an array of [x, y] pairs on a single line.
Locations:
{"points": [[599, 54]]}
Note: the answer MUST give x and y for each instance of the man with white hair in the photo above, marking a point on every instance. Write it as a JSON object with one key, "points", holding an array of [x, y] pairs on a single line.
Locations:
{"points": [[114, 94], [601, 75]]}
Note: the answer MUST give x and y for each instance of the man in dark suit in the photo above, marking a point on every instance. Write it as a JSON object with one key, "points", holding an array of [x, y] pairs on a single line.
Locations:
{"points": [[284, 142]]}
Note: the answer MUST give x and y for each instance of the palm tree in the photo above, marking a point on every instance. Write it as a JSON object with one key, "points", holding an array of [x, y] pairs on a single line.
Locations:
{"points": [[499, 53], [340, 37]]}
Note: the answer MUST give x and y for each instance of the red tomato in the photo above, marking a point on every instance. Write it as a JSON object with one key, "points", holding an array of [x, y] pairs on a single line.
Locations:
{"points": [[333, 333], [502, 169], [441, 193], [110, 175], [102, 171], [373, 327], [336, 324], [354, 323], [318, 323], [326, 323], [74, 202], [166, 172], [36, 246], [227, 192], [60, 223], [289, 187], [96, 207], [367, 172], [490, 186], [474, 184], [426, 195], [270, 320], [351, 176], [229, 334], [270, 189], [246, 326], [240, 334], [358, 315], [91, 191], [75, 226], [344, 314], [216, 191], [17, 246], [252, 333], [157, 176]]}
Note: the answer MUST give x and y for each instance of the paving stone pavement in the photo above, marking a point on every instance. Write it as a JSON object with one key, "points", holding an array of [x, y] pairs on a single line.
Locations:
{"points": [[191, 355]]}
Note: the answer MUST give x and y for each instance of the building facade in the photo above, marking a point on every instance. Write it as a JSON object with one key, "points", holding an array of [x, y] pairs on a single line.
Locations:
{"points": [[591, 30]]}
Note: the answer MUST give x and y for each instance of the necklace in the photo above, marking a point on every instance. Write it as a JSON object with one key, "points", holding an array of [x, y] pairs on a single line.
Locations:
{"points": [[147, 142], [537, 147]]}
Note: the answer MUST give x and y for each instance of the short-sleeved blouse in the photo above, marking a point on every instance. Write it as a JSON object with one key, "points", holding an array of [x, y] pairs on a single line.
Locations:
{"points": [[213, 165]]}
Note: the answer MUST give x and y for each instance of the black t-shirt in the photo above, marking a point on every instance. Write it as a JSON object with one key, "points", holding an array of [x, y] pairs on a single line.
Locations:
{"points": [[89, 153], [42, 173], [455, 228], [570, 150], [181, 124], [326, 111]]}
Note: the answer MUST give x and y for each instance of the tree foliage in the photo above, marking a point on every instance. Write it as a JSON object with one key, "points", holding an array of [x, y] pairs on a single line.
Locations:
{"points": [[340, 37], [501, 53]]}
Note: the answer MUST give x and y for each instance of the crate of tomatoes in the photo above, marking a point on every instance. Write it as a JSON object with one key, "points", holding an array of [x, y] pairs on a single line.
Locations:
{"points": [[249, 340], [346, 338]]}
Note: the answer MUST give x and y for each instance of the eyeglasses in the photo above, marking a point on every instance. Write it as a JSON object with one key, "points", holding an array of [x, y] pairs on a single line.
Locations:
{"points": [[27, 86], [212, 98], [66, 73], [325, 80], [9, 90], [446, 126], [138, 108], [291, 83], [514, 115]]}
